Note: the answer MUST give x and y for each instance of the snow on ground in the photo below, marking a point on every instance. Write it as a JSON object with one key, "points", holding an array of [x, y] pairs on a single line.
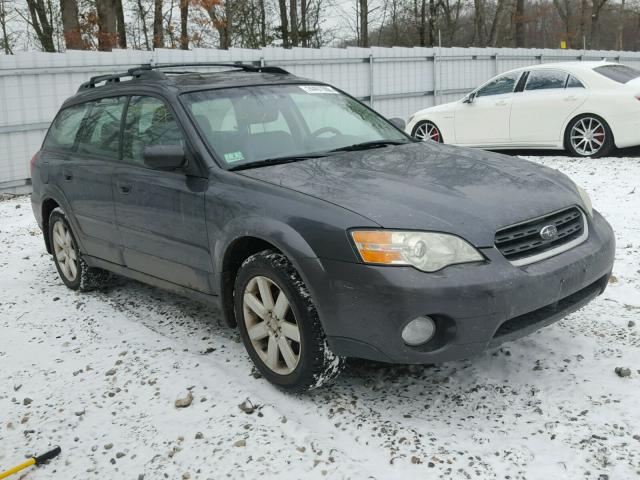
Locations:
{"points": [[99, 374]]}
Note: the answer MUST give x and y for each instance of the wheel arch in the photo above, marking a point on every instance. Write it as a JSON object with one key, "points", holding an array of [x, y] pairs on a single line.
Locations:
{"points": [[586, 113], [246, 237]]}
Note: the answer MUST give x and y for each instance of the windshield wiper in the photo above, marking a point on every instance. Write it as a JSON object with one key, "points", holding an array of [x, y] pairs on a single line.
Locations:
{"points": [[277, 161], [369, 145]]}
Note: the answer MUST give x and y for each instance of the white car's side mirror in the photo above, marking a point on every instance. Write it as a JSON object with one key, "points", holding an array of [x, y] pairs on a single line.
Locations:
{"points": [[470, 98]]}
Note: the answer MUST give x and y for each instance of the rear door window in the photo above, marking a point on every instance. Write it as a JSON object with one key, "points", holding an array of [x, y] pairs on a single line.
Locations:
{"points": [[545, 80], [64, 129], [100, 132], [149, 122], [573, 82]]}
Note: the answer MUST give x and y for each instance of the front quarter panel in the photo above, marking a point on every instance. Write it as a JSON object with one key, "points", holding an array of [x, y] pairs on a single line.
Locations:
{"points": [[300, 226], [442, 116]]}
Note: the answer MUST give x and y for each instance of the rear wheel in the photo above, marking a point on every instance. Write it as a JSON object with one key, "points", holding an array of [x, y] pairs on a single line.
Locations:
{"points": [[427, 132], [73, 270], [589, 136], [279, 324]]}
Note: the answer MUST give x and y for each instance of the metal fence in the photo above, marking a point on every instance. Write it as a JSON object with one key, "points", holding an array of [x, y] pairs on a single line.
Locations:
{"points": [[395, 81]]}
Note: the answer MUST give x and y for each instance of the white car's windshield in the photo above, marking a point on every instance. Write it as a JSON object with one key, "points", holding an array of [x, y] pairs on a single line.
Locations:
{"points": [[270, 124]]}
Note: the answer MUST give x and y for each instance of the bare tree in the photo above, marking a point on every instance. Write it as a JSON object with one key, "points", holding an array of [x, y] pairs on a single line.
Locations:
{"points": [[158, 28], [364, 23], [479, 36], [184, 24], [4, 20], [284, 23], [619, 43], [564, 12], [107, 24], [293, 21], [121, 26], [41, 23], [142, 17], [71, 25], [519, 24], [596, 10]]}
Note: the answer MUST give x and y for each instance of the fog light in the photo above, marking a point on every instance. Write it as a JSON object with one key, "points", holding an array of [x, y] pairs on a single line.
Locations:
{"points": [[418, 331]]}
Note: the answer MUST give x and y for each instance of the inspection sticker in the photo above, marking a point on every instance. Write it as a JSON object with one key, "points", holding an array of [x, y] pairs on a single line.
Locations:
{"points": [[317, 89], [232, 157]]}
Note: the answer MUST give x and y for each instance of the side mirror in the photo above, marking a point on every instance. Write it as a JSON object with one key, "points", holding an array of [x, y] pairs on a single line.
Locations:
{"points": [[164, 157], [398, 122], [470, 98]]}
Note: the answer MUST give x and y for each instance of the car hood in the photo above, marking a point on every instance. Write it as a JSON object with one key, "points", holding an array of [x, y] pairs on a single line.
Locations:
{"points": [[423, 186]]}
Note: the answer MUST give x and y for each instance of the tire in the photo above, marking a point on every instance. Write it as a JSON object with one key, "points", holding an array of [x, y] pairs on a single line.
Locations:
{"points": [[427, 131], [73, 270], [307, 363], [586, 145]]}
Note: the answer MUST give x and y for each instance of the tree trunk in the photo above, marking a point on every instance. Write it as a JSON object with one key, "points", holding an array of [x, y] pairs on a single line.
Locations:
{"points": [[364, 23], [478, 31], [121, 26], [158, 31], [184, 22], [284, 23], [228, 25], [6, 44], [621, 26], [432, 22], [293, 19], [143, 20], [107, 30], [71, 25], [565, 15], [304, 27], [41, 24], [519, 24], [263, 24], [495, 25]]}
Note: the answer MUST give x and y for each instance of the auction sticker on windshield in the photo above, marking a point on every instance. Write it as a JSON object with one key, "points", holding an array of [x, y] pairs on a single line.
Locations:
{"points": [[318, 89]]}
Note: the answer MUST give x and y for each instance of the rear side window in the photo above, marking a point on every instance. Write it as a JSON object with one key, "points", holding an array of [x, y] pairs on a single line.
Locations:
{"points": [[64, 129], [618, 73], [573, 82], [100, 131], [149, 122], [500, 86], [545, 80]]}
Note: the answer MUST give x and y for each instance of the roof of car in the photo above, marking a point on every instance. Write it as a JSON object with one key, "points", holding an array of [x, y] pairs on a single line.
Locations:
{"points": [[181, 78], [577, 65]]}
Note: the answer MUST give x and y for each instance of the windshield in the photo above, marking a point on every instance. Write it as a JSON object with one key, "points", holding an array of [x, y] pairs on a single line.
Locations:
{"points": [[618, 73], [261, 124]]}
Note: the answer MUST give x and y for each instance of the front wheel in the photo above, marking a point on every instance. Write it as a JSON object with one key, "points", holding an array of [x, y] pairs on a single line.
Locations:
{"points": [[427, 132], [279, 324], [589, 136]]}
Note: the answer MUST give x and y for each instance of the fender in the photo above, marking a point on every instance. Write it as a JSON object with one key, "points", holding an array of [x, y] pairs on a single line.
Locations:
{"points": [[52, 192]]}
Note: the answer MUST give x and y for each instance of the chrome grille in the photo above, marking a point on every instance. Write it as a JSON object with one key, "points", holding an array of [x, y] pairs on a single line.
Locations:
{"points": [[524, 240]]}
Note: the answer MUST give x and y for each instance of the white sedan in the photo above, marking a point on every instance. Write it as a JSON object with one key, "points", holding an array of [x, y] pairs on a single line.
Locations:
{"points": [[587, 108]]}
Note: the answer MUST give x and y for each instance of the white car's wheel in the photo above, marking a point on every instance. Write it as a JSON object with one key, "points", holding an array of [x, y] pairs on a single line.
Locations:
{"points": [[589, 136], [427, 132]]}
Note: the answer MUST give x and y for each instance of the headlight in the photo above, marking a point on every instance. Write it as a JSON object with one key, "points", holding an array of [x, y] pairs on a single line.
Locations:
{"points": [[426, 251], [586, 200]]}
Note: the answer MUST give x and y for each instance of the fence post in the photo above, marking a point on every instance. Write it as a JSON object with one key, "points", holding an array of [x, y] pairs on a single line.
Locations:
{"points": [[371, 80], [435, 78], [496, 68]]}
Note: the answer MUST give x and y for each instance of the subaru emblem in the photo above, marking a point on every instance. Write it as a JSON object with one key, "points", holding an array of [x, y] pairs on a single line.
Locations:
{"points": [[548, 232]]}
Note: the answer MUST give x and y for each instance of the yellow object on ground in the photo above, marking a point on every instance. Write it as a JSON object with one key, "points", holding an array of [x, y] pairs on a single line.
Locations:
{"points": [[39, 460]]}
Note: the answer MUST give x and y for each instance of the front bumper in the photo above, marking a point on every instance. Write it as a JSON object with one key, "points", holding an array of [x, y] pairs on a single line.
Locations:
{"points": [[363, 308]]}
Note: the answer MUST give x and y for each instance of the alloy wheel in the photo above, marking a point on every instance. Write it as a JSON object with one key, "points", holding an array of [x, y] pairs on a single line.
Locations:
{"points": [[588, 136], [65, 251], [428, 132], [271, 325]]}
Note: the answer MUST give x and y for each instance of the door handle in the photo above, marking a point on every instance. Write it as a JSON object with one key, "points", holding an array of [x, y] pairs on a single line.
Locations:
{"points": [[124, 189], [68, 176], [501, 103], [570, 98]]}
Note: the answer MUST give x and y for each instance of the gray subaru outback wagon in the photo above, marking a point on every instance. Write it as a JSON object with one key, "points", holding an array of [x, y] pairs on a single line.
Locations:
{"points": [[318, 227]]}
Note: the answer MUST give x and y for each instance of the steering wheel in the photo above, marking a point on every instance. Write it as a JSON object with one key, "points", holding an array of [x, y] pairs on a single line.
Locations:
{"points": [[322, 130]]}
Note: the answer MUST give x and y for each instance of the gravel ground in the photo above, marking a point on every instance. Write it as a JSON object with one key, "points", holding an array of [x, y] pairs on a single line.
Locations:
{"points": [[99, 374]]}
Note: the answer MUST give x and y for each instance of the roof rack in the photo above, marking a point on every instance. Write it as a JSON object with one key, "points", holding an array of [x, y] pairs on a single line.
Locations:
{"points": [[150, 71]]}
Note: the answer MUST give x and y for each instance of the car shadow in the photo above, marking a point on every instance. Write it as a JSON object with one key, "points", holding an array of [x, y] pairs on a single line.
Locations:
{"points": [[617, 153]]}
